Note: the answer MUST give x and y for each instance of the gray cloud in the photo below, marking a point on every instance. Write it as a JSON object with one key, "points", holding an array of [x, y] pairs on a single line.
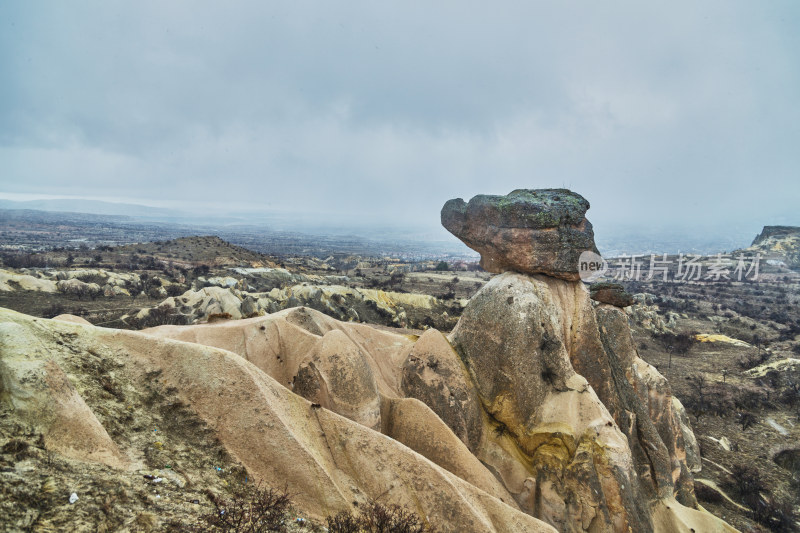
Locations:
{"points": [[676, 114]]}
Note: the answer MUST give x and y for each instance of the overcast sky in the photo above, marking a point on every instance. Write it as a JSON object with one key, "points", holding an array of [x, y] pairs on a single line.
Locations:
{"points": [[658, 113]]}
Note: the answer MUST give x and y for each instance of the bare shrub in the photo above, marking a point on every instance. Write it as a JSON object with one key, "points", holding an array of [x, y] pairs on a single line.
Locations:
{"points": [[175, 290], [707, 397], [753, 360], [249, 510], [54, 310], [791, 394], [677, 343], [159, 316], [750, 396], [748, 482], [747, 419], [377, 518]]}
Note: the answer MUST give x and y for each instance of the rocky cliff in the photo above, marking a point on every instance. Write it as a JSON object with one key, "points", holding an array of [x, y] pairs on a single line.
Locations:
{"points": [[779, 243], [776, 232]]}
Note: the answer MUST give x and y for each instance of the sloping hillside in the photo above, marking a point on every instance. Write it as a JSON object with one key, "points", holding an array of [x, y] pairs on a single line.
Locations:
{"points": [[209, 250]]}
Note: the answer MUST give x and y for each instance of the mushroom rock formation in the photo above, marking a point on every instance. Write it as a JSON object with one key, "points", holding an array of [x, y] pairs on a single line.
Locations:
{"points": [[528, 231], [586, 435]]}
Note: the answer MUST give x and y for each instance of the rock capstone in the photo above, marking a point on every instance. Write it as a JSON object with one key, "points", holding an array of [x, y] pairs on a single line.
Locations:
{"points": [[528, 231]]}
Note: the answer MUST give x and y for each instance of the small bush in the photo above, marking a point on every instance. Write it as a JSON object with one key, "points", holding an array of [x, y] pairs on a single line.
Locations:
{"points": [[707, 397], [748, 482], [175, 290], [791, 394], [753, 360], [747, 479], [53, 311], [377, 518], [779, 515], [159, 316], [250, 509], [747, 419], [677, 343], [750, 397]]}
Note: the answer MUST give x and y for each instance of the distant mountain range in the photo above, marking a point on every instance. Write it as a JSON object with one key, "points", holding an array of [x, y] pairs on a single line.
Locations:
{"points": [[95, 207]]}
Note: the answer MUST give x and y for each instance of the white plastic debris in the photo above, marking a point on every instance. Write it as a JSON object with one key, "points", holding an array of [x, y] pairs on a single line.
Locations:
{"points": [[73, 498], [777, 427]]}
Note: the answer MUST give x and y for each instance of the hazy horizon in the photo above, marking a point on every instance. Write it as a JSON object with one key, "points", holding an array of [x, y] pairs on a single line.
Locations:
{"points": [[621, 239], [668, 119]]}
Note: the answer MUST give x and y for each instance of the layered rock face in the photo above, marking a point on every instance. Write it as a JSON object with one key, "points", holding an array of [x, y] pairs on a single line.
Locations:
{"points": [[527, 231]]}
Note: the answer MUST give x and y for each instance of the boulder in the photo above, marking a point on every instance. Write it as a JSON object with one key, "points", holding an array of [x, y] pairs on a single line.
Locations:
{"points": [[527, 231], [611, 293]]}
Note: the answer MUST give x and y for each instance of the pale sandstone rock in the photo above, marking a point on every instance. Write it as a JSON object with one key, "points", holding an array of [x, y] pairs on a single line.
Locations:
{"points": [[510, 336], [326, 460], [532, 334], [338, 377], [690, 441], [411, 422], [72, 318], [10, 280], [655, 426], [78, 287], [434, 374], [36, 387], [583, 475]]}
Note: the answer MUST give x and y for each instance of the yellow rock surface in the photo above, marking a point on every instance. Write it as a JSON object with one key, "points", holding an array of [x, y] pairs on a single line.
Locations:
{"points": [[711, 337]]}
